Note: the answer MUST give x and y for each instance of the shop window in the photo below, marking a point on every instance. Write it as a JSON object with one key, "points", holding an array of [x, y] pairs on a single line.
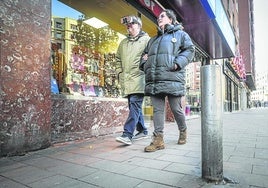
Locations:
{"points": [[92, 74], [83, 58], [90, 63]]}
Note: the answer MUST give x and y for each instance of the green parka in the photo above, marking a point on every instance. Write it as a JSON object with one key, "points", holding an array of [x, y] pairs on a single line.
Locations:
{"points": [[131, 78]]}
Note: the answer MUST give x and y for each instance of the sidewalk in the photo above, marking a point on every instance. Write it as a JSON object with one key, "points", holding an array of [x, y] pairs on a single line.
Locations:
{"points": [[103, 162]]}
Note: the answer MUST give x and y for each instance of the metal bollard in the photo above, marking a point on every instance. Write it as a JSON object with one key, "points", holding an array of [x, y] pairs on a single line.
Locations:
{"points": [[211, 122]]}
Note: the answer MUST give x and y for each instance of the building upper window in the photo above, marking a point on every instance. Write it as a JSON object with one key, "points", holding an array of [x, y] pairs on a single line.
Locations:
{"points": [[73, 27], [59, 46], [59, 25], [58, 35]]}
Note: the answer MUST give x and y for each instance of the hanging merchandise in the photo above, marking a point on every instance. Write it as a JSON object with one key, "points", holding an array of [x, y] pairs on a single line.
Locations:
{"points": [[92, 74], [58, 66], [87, 74], [111, 84], [84, 72]]}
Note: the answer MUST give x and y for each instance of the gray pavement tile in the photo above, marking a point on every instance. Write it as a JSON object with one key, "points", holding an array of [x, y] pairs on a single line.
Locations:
{"points": [[157, 176], [86, 151], [7, 164], [194, 170], [262, 143], [222, 185], [228, 148], [111, 180], [180, 159], [102, 148], [44, 162], [152, 163], [237, 167], [262, 135], [188, 146], [247, 160], [75, 158], [55, 155], [52, 181], [75, 184], [190, 181], [194, 139], [175, 151], [112, 166], [7, 183], [260, 170], [184, 169], [113, 156], [261, 154], [48, 151], [246, 144], [244, 151], [246, 180], [193, 154], [117, 148], [5, 161], [27, 174], [29, 155], [72, 170], [149, 184], [142, 154], [141, 144], [102, 162]]}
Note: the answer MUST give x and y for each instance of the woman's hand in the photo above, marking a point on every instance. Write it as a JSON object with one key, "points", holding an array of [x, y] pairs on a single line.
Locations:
{"points": [[177, 67], [145, 57]]}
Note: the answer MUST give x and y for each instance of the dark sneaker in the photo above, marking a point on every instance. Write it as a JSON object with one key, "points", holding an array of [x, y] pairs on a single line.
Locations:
{"points": [[139, 136], [124, 140]]}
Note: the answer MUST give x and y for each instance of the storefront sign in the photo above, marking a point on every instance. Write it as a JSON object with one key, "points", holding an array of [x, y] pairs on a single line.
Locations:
{"points": [[155, 8], [229, 73], [215, 10]]}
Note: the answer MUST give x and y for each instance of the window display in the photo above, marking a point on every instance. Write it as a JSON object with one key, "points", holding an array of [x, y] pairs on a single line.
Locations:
{"points": [[84, 63], [92, 74]]}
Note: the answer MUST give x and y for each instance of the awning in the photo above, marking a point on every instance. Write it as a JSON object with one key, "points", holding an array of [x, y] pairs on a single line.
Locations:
{"points": [[204, 20], [207, 24]]}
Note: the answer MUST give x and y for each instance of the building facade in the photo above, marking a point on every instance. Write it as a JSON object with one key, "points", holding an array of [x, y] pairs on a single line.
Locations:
{"points": [[259, 97], [193, 84], [31, 117]]}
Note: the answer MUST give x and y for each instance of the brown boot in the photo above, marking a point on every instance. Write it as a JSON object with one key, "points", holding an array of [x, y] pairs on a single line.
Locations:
{"points": [[182, 138], [156, 144]]}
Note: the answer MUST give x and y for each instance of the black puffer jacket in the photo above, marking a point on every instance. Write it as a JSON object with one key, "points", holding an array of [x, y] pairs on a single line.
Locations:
{"points": [[173, 46]]}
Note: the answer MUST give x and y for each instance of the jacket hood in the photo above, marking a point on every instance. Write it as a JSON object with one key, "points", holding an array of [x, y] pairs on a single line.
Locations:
{"points": [[169, 28], [141, 33]]}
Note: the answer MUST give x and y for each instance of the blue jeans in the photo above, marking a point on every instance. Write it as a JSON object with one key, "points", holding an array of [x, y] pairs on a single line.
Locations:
{"points": [[135, 116]]}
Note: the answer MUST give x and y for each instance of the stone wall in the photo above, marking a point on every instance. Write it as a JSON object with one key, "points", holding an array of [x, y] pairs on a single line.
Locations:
{"points": [[77, 118], [25, 98]]}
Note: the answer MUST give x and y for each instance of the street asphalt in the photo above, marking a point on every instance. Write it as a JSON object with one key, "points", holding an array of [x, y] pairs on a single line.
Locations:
{"points": [[103, 162]]}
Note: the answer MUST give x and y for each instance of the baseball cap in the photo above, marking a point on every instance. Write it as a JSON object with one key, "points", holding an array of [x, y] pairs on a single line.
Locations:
{"points": [[131, 19]]}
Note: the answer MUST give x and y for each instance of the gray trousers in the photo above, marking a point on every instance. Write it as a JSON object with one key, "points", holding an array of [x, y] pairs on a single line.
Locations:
{"points": [[158, 103]]}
